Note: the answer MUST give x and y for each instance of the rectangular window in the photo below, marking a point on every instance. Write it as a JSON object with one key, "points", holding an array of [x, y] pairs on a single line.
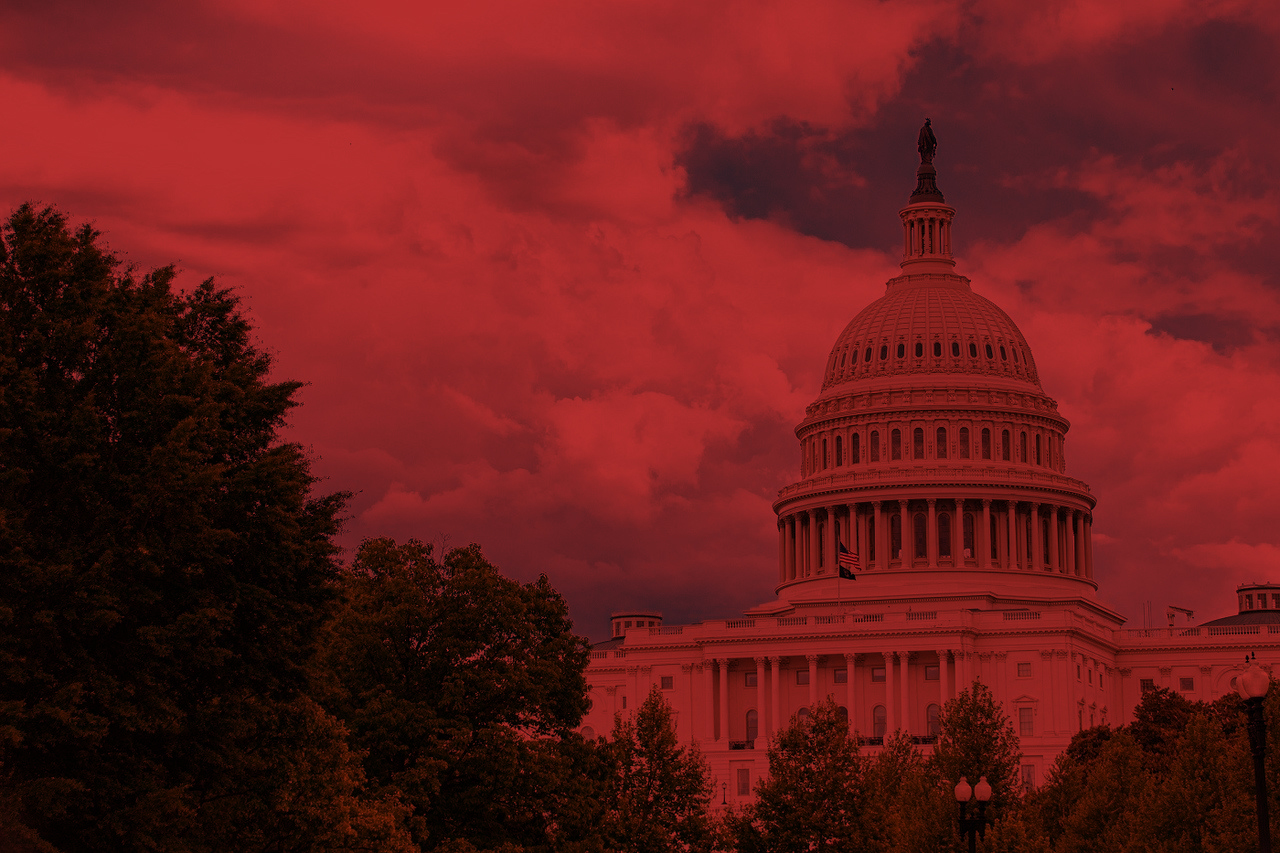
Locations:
{"points": [[1091, 676], [1029, 777], [1025, 725], [1024, 670], [931, 672], [1147, 684], [750, 679], [802, 676], [1077, 672], [1248, 602], [840, 676], [744, 782], [668, 682], [877, 673], [1187, 683], [624, 703]]}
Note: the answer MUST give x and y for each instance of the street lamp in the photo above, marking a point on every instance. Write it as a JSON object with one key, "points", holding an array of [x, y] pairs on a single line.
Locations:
{"points": [[1252, 685], [724, 793], [976, 827]]}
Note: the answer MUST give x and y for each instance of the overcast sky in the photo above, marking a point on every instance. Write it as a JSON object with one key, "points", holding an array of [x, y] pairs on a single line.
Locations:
{"points": [[562, 276]]}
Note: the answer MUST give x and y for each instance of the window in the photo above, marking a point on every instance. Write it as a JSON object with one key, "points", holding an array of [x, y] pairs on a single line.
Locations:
{"points": [[624, 703], [884, 352], [940, 446], [937, 349], [822, 464], [1004, 445], [1022, 448], [855, 449], [1015, 355], [986, 443], [964, 442], [933, 719], [1038, 449], [877, 721], [839, 450], [875, 446], [1029, 777], [753, 724], [944, 534], [802, 676], [955, 349], [1024, 670], [802, 714], [868, 355], [931, 672], [902, 350], [1026, 727], [920, 536], [895, 536], [1003, 355], [993, 537], [919, 350], [877, 673], [1077, 672], [969, 548], [750, 679], [744, 782], [1090, 676], [843, 712], [990, 354], [973, 350], [895, 444], [1146, 685], [840, 676], [917, 443], [1185, 683], [668, 682], [1248, 602]]}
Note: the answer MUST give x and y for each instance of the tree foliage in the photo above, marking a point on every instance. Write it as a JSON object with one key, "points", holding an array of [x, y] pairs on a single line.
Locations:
{"points": [[461, 688], [976, 740], [163, 564]]}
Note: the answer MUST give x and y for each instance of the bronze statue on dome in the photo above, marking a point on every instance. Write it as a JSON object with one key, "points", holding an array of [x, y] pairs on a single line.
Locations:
{"points": [[928, 143]]}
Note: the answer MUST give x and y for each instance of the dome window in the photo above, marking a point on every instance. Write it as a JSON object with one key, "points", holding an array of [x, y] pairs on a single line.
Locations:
{"points": [[1022, 448], [895, 444], [937, 349], [868, 355], [917, 443], [919, 350], [1004, 445], [920, 535], [990, 354], [940, 449], [875, 446], [944, 534], [884, 352], [969, 548], [964, 442], [844, 355], [1015, 355], [1038, 449], [839, 451], [1003, 356], [855, 449], [973, 350], [955, 349], [902, 350], [986, 443]]}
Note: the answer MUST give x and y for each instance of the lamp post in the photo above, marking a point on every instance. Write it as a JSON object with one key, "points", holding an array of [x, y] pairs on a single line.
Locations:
{"points": [[976, 827], [724, 793], [1252, 685]]}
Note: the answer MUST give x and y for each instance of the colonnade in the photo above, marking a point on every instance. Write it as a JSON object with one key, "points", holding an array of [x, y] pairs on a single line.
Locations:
{"points": [[934, 533]]}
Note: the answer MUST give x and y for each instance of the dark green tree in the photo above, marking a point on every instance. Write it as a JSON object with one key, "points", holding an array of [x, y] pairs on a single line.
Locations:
{"points": [[163, 567], [977, 740], [659, 792], [910, 811], [815, 797], [461, 687]]}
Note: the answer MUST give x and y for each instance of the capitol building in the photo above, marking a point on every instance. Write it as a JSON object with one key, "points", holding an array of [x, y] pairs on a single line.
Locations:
{"points": [[933, 467]]}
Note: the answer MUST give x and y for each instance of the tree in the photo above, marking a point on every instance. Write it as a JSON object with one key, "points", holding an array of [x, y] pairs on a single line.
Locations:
{"points": [[461, 688], [163, 564], [815, 798], [909, 807], [659, 792], [976, 740]]}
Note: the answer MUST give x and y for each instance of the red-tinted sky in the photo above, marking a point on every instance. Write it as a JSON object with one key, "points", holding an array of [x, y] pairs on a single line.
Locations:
{"points": [[562, 276]]}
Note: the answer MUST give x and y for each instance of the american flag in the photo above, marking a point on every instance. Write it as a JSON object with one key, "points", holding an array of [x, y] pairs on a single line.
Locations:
{"points": [[848, 562]]}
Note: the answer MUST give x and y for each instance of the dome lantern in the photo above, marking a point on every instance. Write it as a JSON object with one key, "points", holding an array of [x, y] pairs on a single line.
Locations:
{"points": [[926, 220]]}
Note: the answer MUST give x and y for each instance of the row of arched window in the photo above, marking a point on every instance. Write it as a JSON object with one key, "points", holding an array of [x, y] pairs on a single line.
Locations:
{"points": [[1034, 447], [933, 716], [867, 356]]}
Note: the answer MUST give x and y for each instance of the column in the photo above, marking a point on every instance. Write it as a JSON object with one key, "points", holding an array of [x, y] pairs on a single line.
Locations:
{"points": [[763, 727], [813, 680], [1011, 559], [782, 551], [1070, 533], [1037, 550], [709, 694], [882, 541], [905, 683], [1080, 549], [833, 531], [943, 681], [850, 676], [931, 533], [904, 540], [889, 725], [1055, 563], [1088, 546], [815, 545], [723, 665], [983, 540], [1000, 680], [864, 551], [775, 694]]}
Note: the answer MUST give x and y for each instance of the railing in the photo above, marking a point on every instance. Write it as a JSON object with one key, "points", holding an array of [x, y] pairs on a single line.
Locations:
{"points": [[1228, 630], [837, 619], [868, 617], [785, 621], [742, 744], [1021, 615], [603, 654], [740, 623], [922, 615], [674, 630]]}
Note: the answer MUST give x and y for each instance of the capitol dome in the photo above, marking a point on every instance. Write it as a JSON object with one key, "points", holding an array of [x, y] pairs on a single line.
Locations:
{"points": [[932, 456]]}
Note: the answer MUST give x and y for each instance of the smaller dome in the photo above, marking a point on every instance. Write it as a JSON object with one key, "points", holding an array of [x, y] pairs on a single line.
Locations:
{"points": [[935, 326]]}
